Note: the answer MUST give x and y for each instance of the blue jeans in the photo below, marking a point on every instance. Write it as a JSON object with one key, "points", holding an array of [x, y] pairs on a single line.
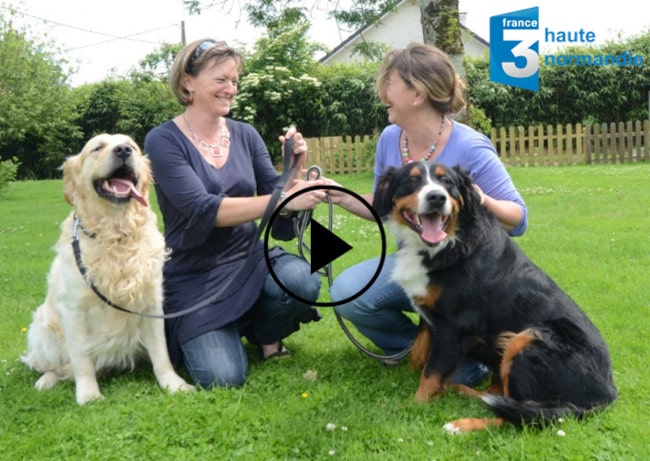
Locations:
{"points": [[379, 314], [218, 357]]}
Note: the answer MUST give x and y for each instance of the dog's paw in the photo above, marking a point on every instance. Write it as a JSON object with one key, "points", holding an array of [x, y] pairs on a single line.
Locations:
{"points": [[452, 428], [47, 381], [421, 397], [184, 388], [461, 426], [83, 398], [176, 384], [424, 395]]}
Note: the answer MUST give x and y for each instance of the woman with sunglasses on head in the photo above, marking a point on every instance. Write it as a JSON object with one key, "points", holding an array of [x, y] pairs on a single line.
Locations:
{"points": [[213, 178], [421, 89]]}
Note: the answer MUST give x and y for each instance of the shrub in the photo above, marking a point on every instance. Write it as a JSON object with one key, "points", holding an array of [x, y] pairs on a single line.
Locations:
{"points": [[8, 171]]}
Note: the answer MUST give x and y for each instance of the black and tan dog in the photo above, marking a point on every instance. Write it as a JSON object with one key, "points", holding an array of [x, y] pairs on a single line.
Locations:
{"points": [[483, 298]]}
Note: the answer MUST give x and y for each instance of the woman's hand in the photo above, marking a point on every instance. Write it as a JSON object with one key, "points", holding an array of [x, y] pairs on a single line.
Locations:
{"points": [[480, 193], [299, 149], [308, 200]]}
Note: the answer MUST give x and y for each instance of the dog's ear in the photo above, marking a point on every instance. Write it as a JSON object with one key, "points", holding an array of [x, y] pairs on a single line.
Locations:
{"points": [[68, 179], [466, 186], [147, 177], [382, 200]]}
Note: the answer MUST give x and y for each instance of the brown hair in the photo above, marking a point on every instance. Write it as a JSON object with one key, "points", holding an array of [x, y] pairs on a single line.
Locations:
{"points": [[195, 57], [429, 71]]}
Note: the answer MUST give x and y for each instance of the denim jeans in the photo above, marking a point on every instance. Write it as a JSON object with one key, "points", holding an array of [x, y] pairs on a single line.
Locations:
{"points": [[218, 357], [379, 315]]}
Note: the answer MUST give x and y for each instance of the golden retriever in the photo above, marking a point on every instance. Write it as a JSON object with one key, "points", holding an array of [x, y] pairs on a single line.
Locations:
{"points": [[74, 334]]}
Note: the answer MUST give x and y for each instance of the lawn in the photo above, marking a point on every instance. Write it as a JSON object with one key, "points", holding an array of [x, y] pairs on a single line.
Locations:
{"points": [[588, 229]]}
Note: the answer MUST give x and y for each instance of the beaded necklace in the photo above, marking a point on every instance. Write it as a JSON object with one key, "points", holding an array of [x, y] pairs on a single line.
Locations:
{"points": [[214, 150], [405, 145]]}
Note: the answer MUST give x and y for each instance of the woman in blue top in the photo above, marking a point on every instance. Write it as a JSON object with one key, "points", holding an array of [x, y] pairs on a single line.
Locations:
{"points": [[420, 88], [213, 179]]}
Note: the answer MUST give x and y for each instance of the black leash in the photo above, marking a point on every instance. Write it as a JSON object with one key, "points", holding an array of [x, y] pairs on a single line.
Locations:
{"points": [[290, 165], [300, 224]]}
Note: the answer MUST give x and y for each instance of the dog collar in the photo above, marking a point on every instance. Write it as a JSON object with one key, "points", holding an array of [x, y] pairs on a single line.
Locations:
{"points": [[76, 224]]}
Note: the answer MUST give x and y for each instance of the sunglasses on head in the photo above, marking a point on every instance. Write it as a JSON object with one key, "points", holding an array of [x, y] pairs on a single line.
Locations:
{"points": [[205, 46]]}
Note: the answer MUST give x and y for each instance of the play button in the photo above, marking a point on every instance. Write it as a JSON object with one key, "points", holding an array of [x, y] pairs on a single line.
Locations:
{"points": [[325, 246]]}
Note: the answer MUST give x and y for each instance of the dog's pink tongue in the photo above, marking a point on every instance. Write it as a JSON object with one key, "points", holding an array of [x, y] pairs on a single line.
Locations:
{"points": [[126, 187], [432, 229]]}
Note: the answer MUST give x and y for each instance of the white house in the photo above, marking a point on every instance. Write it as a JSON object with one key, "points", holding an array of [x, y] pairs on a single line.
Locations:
{"points": [[397, 29]]}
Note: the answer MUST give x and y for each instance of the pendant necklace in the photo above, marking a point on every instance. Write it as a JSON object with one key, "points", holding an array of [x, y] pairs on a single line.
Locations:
{"points": [[212, 149], [432, 149]]}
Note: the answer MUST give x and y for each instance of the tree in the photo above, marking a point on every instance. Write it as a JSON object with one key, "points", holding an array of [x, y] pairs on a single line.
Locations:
{"points": [[37, 120], [441, 27], [275, 86], [439, 19], [130, 106], [156, 65]]}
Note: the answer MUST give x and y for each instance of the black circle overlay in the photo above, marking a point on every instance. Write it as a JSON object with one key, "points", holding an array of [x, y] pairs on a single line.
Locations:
{"points": [[382, 233]]}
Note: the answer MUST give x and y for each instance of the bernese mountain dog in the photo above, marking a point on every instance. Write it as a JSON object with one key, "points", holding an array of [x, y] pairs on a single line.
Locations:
{"points": [[482, 298]]}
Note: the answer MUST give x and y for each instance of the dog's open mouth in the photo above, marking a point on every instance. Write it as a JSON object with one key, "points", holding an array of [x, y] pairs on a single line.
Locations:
{"points": [[431, 227], [120, 187]]}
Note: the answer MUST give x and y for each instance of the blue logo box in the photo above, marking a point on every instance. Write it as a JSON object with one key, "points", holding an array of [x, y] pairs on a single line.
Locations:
{"points": [[514, 49]]}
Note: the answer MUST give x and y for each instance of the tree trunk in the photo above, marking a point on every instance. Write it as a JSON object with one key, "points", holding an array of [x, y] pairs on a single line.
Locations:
{"points": [[441, 27]]}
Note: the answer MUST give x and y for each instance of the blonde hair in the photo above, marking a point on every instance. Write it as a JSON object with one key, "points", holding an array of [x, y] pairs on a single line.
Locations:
{"points": [[429, 71], [195, 57]]}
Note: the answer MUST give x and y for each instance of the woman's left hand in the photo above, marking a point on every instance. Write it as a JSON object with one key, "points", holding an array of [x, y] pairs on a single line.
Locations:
{"points": [[480, 193], [299, 143]]}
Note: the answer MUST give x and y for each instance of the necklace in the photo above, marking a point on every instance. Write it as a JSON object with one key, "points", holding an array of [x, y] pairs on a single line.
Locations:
{"points": [[432, 149], [218, 150]]}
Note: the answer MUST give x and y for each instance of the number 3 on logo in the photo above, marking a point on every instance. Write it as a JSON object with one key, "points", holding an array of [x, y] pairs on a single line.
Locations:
{"points": [[524, 49]]}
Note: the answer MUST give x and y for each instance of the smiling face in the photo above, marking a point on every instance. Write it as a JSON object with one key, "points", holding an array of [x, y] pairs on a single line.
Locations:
{"points": [[398, 97], [215, 87]]}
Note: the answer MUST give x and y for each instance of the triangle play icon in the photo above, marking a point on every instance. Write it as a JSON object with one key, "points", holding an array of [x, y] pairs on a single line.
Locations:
{"points": [[325, 246]]}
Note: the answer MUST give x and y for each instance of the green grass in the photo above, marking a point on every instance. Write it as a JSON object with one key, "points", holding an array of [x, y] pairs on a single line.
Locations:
{"points": [[588, 229]]}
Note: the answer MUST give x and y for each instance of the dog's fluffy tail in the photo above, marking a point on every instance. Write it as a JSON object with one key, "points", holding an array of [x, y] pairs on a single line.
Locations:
{"points": [[531, 413]]}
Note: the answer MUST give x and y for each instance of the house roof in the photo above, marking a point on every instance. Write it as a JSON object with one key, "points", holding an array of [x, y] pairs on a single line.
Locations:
{"points": [[360, 32]]}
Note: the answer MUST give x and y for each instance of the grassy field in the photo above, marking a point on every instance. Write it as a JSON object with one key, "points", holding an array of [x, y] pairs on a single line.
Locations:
{"points": [[588, 229]]}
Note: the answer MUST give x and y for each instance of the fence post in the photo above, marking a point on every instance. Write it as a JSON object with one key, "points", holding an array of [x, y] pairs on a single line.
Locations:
{"points": [[646, 140], [638, 147], [502, 142], [579, 145], [532, 145], [568, 154], [313, 146], [600, 142], [522, 142], [612, 142], [626, 137], [560, 145]]}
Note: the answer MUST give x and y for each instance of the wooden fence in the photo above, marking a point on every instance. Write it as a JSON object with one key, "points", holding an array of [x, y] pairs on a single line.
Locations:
{"points": [[336, 155], [517, 146], [573, 144]]}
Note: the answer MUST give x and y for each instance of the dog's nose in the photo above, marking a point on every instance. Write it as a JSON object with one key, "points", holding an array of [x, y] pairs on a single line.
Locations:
{"points": [[122, 151], [435, 198]]}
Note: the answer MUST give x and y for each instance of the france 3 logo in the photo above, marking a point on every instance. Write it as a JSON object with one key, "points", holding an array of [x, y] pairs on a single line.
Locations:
{"points": [[514, 48]]}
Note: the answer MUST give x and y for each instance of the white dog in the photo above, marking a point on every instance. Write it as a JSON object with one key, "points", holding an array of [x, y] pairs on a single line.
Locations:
{"points": [[74, 334]]}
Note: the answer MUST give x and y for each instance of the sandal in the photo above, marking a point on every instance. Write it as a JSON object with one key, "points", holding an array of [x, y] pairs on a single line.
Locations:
{"points": [[280, 353]]}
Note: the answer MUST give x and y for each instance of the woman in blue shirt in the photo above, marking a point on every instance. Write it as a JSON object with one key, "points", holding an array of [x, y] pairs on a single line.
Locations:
{"points": [[420, 88]]}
